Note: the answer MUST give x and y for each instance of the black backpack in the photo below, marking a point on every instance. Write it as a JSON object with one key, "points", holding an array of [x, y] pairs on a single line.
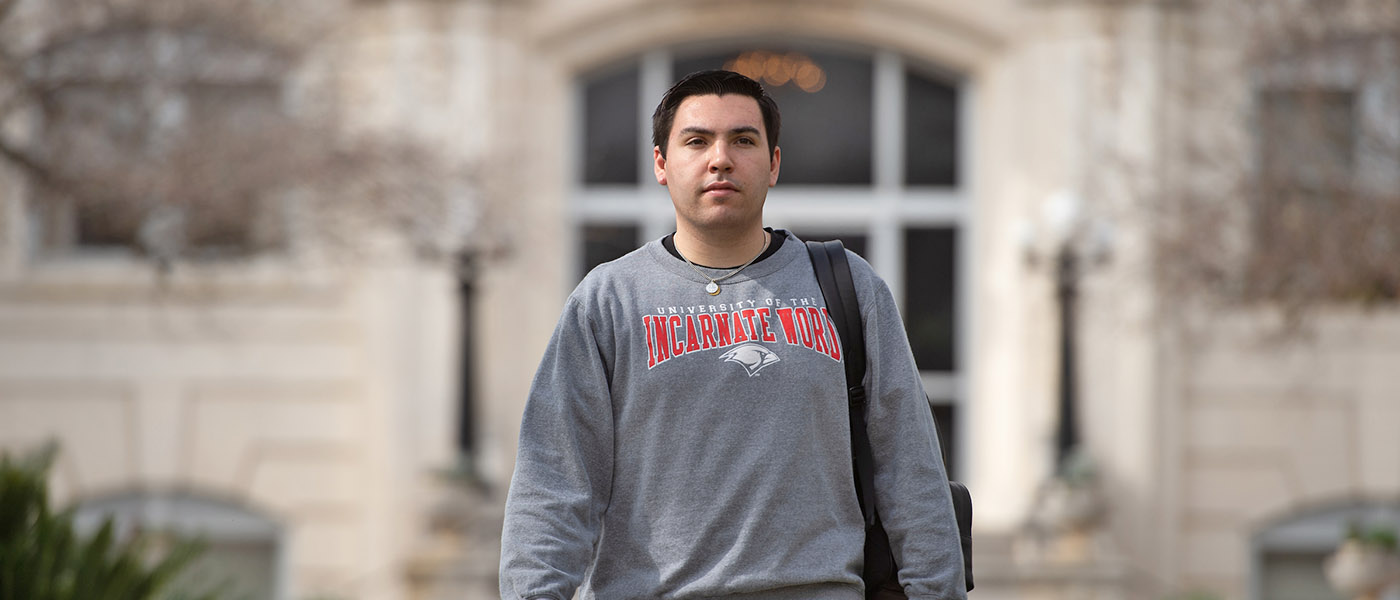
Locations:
{"points": [[838, 288]]}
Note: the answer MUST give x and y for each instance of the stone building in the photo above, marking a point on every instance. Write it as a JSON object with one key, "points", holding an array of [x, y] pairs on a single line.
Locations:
{"points": [[341, 424]]}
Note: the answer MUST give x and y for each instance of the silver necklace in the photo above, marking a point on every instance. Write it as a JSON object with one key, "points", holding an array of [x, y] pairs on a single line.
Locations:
{"points": [[712, 288]]}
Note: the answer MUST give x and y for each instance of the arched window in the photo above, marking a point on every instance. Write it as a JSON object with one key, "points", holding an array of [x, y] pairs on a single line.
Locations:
{"points": [[242, 547], [1288, 556], [873, 154]]}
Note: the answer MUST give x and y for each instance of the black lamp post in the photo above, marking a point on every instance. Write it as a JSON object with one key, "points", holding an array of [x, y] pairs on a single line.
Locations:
{"points": [[466, 401], [1066, 225], [1066, 293]]}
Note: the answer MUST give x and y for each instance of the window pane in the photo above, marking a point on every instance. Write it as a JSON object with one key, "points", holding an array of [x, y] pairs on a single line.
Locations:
{"points": [[1307, 139], [610, 128], [602, 243], [930, 131], [826, 106], [221, 227], [930, 259], [108, 223], [855, 242], [110, 137], [204, 227], [239, 569], [241, 546], [1295, 576]]}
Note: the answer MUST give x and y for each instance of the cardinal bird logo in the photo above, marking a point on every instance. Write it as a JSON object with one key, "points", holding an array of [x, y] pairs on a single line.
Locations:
{"points": [[752, 357]]}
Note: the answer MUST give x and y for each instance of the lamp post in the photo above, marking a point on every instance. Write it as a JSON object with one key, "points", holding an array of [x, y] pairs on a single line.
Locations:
{"points": [[1069, 244], [1066, 293]]}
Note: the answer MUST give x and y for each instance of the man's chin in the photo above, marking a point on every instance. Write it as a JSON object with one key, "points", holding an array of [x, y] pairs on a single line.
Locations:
{"points": [[717, 223]]}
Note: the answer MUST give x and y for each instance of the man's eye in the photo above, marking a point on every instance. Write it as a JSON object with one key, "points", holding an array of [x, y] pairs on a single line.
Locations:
{"points": [[694, 142], [746, 141]]}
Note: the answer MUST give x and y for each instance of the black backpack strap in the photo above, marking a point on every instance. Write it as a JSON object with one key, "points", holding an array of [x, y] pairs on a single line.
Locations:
{"points": [[838, 288]]}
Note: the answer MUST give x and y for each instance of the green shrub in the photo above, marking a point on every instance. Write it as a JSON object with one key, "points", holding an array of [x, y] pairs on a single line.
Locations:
{"points": [[1377, 536], [42, 558]]}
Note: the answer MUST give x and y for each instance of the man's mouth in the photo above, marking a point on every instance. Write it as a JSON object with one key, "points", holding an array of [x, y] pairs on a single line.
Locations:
{"points": [[721, 186]]}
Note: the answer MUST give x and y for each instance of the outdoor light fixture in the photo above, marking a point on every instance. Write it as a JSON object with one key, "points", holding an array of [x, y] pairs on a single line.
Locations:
{"points": [[1070, 242], [779, 69]]}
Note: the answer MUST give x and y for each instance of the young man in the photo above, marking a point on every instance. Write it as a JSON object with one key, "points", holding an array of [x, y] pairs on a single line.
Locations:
{"points": [[687, 434]]}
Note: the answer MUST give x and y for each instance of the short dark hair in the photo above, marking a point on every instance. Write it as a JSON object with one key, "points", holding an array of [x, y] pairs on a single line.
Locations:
{"points": [[715, 82]]}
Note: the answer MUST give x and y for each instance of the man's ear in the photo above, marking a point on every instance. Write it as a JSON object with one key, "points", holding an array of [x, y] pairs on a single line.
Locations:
{"points": [[658, 164], [773, 166]]}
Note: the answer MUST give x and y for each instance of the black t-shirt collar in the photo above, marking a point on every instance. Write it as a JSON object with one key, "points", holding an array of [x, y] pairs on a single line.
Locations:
{"points": [[777, 237]]}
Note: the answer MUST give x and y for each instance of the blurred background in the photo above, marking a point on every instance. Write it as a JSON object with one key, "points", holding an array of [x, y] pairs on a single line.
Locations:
{"points": [[278, 274]]}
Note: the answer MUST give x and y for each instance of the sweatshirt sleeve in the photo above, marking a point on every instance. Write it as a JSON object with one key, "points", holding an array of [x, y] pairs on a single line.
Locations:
{"points": [[911, 484], [563, 469]]}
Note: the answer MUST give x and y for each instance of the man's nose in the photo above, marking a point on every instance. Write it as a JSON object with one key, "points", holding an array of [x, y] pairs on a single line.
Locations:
{"points": [[720, 159]]}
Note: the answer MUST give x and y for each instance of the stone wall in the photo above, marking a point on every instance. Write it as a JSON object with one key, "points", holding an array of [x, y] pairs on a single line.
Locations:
{"points": [[314, 401], [1276, 421]]}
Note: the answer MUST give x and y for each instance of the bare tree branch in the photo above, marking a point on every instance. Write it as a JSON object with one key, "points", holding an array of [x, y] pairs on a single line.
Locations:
{"points": [[1305, 215], [148, 106]]}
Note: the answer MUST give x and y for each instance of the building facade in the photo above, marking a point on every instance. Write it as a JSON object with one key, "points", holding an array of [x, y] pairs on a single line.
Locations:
{"points": [[340, 419]]}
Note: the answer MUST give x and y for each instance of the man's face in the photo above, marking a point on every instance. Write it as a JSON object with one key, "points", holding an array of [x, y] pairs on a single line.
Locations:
{"points": [[717, 166]]}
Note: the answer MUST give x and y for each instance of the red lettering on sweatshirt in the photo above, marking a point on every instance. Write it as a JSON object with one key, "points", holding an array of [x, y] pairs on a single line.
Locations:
{"points": [[750, 315], [707, 331], [673, 323], [663, 341], [676, 335], [789, 328], [651, 342], [765, 326], [741, 332], [691, 344], [804, 327], [818, 331], [834, 338], [722, 328]]}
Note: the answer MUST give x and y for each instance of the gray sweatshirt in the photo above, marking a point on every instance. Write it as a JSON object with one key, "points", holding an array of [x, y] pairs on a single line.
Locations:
{"points": [[682, 445]]}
